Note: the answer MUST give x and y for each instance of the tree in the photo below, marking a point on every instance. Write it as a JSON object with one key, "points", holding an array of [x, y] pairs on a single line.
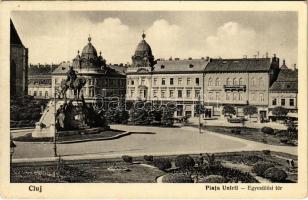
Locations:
{"points": [[250, 110], [229, 110], [280, 111], [167, 117]]}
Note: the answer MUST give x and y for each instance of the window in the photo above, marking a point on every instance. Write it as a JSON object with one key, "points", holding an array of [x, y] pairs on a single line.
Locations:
{"points": [[260, 81], [34, 93], [188, 93], [171, 81], [234, 96], [163, 81], [283, 102], [235, 81], [217, 82], [210, 96], [229, 81], [46, 93], [241, 81], [210, 82], [241, 96], [171, 93], [163, 94], [253, 96], [188, 81], [40, 93], [132, 82], [217, 96], [180, 94], [228, 96], [132, 93], [162, 66], [197, 93], [154, 93], [274, 102], [291, 102], [179, 111], [142, 81], [253, 82], [261, 97], [180, 81], [197, 81], [155, 81]]}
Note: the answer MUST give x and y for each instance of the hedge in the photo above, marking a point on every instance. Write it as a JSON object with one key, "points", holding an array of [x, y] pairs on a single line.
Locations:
{"points": [[184, 162], [275, 174], [267, 130], [213, 179], [162, 163], [127, 159], [260, 167], [177, 178]]}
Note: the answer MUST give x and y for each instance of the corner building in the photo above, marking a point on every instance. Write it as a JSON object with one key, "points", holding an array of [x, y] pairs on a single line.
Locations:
{"points": [[101, 79], [239, 82]]}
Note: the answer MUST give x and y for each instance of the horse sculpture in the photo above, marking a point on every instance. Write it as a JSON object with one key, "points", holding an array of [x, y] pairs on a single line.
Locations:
{"points": [[76, 86]]}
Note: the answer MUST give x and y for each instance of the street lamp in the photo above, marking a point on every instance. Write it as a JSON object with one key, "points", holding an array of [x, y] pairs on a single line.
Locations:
{"points": [[12, 149], [57, 92]]}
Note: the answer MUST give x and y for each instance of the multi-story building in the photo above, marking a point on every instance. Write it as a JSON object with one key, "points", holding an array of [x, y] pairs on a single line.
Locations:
{"points": [[18, 64], [239, 82], [39, 83], [178, 81], [284, 90], [214, 82], [102, 80]]}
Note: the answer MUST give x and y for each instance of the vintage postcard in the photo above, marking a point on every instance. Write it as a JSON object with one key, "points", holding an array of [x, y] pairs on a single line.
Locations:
{"points": [[153, 99]]}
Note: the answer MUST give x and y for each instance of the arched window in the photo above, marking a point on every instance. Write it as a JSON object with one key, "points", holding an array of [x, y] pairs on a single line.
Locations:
{"points": [[241, 81], [241, 96], [210, 82], [228, 81], [234, 81], [217, 83]]}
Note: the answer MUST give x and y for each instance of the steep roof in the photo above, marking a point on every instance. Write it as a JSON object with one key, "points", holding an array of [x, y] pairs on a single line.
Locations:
{"points": [[14, 37], [287, 81], [186, 65], [239, 65]]}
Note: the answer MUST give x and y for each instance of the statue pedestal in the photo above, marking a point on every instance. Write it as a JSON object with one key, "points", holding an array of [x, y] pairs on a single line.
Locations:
{"points": [[43, 132]]}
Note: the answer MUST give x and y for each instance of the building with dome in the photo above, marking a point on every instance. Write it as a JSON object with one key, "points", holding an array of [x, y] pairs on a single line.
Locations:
{"points": [[101, 79], [213, 82]]}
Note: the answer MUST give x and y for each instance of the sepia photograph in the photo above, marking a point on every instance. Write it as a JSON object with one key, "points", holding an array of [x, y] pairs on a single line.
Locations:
{"points": [[204, 97]]}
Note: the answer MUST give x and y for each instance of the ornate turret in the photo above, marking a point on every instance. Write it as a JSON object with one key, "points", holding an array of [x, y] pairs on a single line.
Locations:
{"points": [[143, 56], [89, 58]]}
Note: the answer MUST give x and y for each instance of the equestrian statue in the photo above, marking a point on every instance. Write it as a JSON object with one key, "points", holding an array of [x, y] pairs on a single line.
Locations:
{"points": [[72, 82]]}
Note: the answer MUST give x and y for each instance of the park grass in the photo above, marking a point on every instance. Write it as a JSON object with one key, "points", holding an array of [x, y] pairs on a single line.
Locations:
{"points": [[252, 134], [96, 171]]}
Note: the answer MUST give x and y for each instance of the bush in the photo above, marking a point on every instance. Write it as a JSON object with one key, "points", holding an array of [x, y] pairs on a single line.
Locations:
{"points": [[275, 174], [266, 152], [177, 178], [236, 131], [162, 163], [148, 158], [260, 167], [184, 162], [214, 179], [267, 130], [127, 159], [284, 140]]}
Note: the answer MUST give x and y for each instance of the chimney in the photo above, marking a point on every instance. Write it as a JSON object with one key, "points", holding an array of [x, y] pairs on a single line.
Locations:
{"points": [[170, 58], [295, 67], [207, 58], [202, 58], [189, 58], [266, 55], [176, 58]]}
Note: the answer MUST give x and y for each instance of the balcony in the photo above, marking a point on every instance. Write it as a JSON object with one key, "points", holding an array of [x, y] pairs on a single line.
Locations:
{"points": [[235, 88]]}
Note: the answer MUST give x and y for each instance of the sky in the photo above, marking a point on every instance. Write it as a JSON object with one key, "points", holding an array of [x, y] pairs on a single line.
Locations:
{"points": [[56, 36]]}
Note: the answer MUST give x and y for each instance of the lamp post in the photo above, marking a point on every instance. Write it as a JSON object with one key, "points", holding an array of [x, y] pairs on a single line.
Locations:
{"points": [[12, 149], [55, 129], [199, 107]]}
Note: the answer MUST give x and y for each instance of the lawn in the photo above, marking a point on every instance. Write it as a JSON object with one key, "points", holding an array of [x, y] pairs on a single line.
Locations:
{"points": [[253, 134], [236, 167], [71, 138]]}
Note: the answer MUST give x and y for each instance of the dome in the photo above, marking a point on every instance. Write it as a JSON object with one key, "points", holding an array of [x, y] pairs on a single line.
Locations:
{"points": [[89, 50], [143, 48]]}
